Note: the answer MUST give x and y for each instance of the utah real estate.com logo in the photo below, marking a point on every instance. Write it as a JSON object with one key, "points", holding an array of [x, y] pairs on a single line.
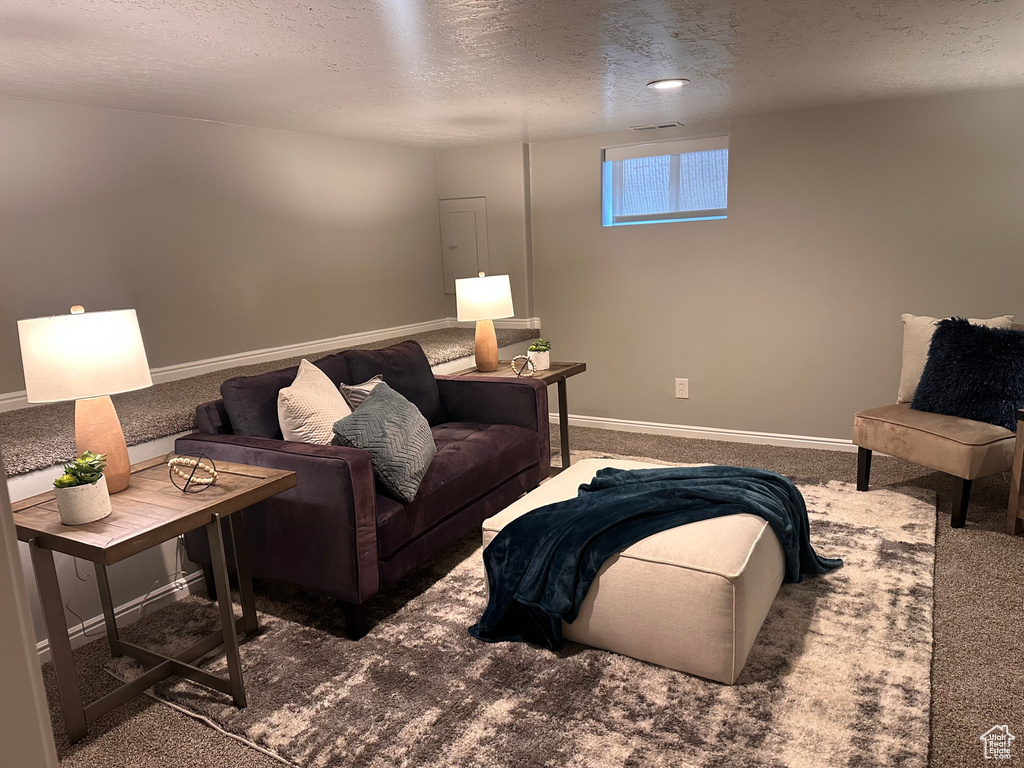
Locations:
{"points": [[998, 740]]}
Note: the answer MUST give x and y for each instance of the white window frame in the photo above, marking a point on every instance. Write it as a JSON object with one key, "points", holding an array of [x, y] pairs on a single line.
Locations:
{"points": [[611, 179]]}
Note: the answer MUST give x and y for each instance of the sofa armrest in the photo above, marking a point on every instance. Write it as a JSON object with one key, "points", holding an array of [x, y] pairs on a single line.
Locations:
{"points": [[486, 400], [320, 535], [212, 418]]}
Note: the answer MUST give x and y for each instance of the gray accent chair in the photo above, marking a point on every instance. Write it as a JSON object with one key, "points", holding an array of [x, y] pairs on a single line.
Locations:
{"points": [[963, 448]]}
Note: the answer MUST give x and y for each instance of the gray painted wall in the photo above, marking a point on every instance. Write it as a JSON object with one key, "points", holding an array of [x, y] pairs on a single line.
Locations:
{"points": [[224, 238], [24, 718], [497, 173], [786, 316]]}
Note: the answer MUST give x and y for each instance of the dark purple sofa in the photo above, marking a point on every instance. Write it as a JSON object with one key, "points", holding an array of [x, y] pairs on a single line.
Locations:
{"points": [[335, 532]]}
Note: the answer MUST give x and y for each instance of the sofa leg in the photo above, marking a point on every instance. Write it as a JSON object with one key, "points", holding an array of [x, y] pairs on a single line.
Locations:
{"points": [[357, 620], [863, 468], [961, 497], [211, 587]]}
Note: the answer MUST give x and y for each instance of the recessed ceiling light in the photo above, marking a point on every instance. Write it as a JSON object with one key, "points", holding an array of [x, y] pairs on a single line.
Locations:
{"points": [[667, 83]]}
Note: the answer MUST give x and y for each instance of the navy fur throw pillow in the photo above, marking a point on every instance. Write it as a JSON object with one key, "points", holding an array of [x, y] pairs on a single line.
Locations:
{"points": [[974, 372]]}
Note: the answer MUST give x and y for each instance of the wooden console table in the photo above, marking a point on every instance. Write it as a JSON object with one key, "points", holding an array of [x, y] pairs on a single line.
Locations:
{"points": [[556, 374], [1015, 508], [150, 511]]}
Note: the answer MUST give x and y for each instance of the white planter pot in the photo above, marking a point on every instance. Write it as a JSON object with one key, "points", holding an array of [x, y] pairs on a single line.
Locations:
{"points": [[83, 503], [541, 360]]}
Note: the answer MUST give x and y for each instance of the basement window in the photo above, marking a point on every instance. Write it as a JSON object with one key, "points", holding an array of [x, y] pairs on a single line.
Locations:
{"points": [[683, 180]]}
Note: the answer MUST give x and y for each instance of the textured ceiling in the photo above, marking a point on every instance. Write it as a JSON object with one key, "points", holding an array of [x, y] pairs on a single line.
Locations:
{"points": [[451, 72]]}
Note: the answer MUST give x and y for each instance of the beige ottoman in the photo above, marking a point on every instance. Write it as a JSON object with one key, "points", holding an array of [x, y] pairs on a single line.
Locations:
{"points": [[691, 598]]}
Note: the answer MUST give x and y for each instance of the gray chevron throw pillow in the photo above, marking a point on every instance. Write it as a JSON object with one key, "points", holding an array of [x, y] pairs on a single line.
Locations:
{"points": [[395, 434]]}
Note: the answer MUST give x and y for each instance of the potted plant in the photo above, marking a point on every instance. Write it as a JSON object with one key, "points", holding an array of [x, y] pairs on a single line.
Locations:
{"points": [[82, 490], [540, 354]]}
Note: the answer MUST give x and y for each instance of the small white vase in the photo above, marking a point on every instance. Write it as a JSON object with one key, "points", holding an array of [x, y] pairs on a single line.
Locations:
{"points": [[541, 360], [83, 503]]}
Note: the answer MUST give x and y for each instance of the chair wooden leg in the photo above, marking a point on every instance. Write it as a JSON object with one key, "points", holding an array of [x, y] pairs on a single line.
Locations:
{"points": [[1015, 506], [357, 620], [863, 468], [961, 497]]}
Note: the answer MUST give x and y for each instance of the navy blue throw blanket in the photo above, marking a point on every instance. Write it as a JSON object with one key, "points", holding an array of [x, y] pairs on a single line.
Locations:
{"points": [[540, 566]]}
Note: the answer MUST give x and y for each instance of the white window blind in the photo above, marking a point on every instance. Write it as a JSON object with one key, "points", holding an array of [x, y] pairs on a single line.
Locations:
{"points": [[680, 180]]}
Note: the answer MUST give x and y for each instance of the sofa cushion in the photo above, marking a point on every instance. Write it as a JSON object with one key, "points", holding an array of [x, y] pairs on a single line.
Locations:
{"points": [[472, 460], [960, 447], [974, 372], [406, 370], [336, 368], [308, 408], [395, 434], [251, 401]]}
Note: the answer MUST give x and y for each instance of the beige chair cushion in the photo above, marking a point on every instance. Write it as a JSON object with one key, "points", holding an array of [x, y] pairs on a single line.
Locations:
{"points": [[960, 447], [691, 598]]}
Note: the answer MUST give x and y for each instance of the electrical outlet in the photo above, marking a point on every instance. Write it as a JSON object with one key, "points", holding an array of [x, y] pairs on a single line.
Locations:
{"points": [[683, 389]]}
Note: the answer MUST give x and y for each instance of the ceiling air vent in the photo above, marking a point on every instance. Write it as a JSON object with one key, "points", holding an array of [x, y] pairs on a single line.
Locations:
{"points": [[656, 127]]}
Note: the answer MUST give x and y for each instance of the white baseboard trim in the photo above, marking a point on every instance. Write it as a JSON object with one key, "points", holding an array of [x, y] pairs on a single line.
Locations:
{"points": [[12, 400], [84, 633], [710, 433], [185, 370]]}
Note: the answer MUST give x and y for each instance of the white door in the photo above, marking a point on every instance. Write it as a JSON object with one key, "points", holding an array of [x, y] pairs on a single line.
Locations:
{"points": [[463, 238]]}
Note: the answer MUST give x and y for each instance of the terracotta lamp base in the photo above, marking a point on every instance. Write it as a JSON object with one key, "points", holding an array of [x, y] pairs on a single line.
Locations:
{"points": [[486, 346], [98, 429]]}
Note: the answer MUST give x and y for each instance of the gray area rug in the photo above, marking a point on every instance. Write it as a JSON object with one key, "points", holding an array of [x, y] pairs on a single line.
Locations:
{"points": [[43, 435], [840, 674]]}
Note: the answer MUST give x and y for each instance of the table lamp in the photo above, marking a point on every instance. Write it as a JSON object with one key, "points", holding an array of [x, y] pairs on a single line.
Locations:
{"points": [[86, 357], [484, 299]]}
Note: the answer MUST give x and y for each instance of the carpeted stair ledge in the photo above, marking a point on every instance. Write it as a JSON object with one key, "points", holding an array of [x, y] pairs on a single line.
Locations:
{"points": [[43, 435]]}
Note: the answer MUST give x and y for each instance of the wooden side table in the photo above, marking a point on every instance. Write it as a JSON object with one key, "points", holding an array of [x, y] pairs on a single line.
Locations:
{"points": [[1015, 507], [148, 513], [556, 374]]}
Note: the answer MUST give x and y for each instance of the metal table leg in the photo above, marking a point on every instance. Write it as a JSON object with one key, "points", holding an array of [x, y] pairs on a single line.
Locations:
{"points": [[227, 615], [60, 644], [241, 552], [563, 422], [103, 584]]}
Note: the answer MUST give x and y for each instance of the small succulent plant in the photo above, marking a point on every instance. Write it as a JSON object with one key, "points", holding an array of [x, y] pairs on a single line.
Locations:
{"points": [[541, 345], [85, 470]]}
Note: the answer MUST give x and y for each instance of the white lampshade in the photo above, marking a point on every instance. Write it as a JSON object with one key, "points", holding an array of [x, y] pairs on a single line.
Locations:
{"points": [[483, 298], [71, 357]]}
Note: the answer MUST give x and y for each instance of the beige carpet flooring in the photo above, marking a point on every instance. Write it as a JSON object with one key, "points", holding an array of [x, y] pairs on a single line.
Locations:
{"points": [[978, 662], [836, 651]]}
